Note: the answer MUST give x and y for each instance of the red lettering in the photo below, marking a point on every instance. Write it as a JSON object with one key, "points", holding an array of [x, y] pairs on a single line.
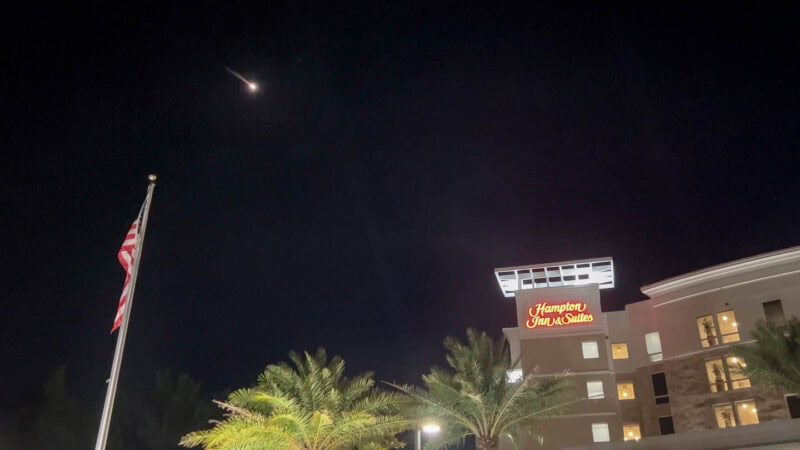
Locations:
{"points": [[544, 314]]}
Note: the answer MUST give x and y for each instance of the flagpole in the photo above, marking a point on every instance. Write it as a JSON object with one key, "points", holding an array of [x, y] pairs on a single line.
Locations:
{"points": [[111, 392]]}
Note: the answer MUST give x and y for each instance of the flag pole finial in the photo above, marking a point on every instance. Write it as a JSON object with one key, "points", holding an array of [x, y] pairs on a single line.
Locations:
{"points": [[152, 177]]}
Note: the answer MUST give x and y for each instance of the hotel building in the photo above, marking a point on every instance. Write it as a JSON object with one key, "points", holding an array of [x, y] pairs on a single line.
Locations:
{"points": [[659, 374]]}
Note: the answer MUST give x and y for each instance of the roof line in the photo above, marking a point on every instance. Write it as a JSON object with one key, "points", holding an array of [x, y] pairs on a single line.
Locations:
{"points": [[723, 270], [557, 263]]}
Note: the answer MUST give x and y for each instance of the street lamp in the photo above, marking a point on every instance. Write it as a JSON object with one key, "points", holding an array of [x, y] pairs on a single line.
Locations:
{"points": [[427, 428]]}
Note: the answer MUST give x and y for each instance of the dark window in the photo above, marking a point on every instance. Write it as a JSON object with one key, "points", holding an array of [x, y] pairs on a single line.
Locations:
{"points": [[660, 384], [793, 402], [773, 310], [660, 388], [666, 425]]}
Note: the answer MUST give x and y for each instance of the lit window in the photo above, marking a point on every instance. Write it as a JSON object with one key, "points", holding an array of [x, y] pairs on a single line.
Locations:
{"points": [[653, 343], [728, 326], [631, 432], [594, 389], [590, 350], [717, 377], [619, 350], [736, 367], [747, 412], [744, 413], [514, 375], [600, 432], [707, 330], [727, 375], [724, 415], [625, 391]]}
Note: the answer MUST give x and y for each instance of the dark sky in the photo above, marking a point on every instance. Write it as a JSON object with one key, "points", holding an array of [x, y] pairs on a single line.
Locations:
{"points": [[393, 158]]}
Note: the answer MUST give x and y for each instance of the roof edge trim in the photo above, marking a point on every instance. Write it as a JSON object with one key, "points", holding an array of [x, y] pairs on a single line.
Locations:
{"points": [[739, 266]]}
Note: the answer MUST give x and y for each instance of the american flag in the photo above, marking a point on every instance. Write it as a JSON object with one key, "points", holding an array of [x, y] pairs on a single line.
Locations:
{"points": [[126, 257]]}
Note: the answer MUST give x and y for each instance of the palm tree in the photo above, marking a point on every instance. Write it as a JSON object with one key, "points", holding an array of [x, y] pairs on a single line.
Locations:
{"points": [[774, 359], [310, 406], [477, 397]]}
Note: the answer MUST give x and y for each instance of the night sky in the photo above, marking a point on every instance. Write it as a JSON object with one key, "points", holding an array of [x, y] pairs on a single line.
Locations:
{"points": [[392, 159]]}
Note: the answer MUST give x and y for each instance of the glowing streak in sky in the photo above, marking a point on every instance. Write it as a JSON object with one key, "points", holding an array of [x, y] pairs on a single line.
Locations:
{"points": [[252, 86]]}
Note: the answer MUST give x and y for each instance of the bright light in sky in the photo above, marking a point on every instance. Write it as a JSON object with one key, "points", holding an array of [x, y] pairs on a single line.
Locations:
{"points": [[251, 85]]}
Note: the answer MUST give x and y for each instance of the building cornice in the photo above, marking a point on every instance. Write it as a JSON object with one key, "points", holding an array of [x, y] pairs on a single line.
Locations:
{"points": [[740, 266], [599, 271]]}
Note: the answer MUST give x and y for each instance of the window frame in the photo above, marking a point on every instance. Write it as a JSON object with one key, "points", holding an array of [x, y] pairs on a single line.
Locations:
{"points": [[596, 349], [796, 401], [729, 381], [661, 427], [712, 334], [515, 375], [602, 393], [775, 320], [607, 432], [717, 385], [660, 399], [711, 338], [735, 416], [727, 338], [614, 352], [714, 408], [732, 380], [656, 355], [743, 403], [633, 391], [630, 425]]}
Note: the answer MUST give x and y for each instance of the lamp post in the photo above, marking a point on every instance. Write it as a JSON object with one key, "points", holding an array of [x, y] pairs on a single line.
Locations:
{"points": [[427, 428]]}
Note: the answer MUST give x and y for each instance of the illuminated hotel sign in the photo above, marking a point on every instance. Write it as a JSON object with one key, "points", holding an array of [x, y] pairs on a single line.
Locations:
{"points": [[548, 315]]}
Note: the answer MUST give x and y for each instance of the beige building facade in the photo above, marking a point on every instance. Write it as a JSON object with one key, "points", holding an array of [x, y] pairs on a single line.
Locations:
{"points": [[659, 374]]}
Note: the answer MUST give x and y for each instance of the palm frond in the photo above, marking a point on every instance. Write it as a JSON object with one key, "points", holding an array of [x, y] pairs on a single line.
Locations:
{"points": [[308, 405], [774, 359], [474, 396]]}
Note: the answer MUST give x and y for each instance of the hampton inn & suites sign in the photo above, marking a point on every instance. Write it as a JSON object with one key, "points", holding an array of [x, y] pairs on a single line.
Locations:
{"points": [[544, 314]]}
